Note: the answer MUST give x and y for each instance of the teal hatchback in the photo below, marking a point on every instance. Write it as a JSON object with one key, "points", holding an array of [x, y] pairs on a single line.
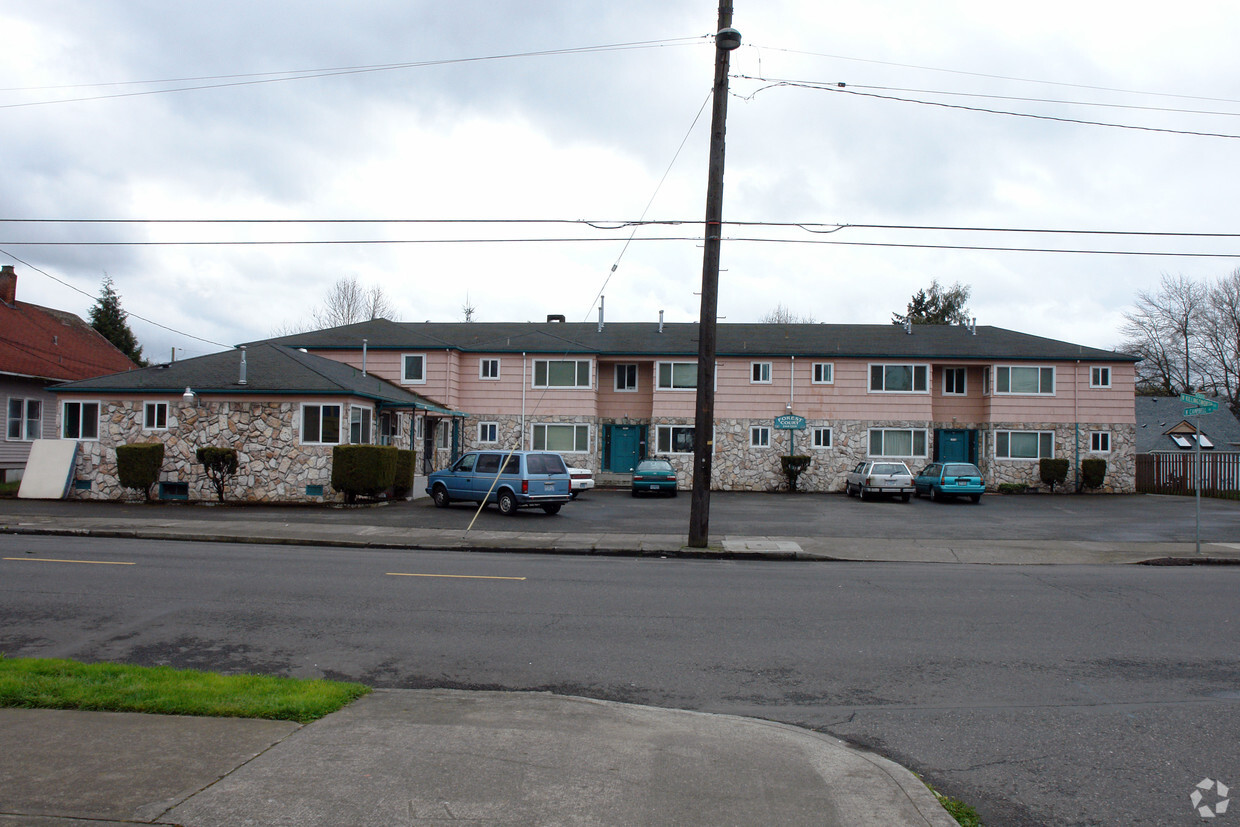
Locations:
{"points": [[944, 480], [654, 476]]}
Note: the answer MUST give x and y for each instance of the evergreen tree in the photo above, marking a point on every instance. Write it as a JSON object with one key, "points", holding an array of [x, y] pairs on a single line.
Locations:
{"points": [[938, 305], [112, 322]]}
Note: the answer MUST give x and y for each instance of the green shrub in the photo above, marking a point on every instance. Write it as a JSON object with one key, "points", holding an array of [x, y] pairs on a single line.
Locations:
{"points": [[1012, 488], [793, 466], [138, 466], [406, 463], [1053, 471], [221, 465], [1093, 472], [363, 470]]}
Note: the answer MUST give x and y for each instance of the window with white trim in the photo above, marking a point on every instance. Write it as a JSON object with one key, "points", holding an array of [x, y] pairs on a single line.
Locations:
{"points": [[566, 438], [899, 378], [488, 368], [1024, 444], [1099, 377], [320, 424], [413, 368], [626, 378], [1100, 442], [822, 438], [677, 376], [419, 428], [674, 439], [359, 425], [79, 420], [443, 434], [954, 381], [759, 436], [1025, 380], [898, 442], [562, 373], [824, 373], [760, 373], [25, 419], [488, 432], [155, 416]]}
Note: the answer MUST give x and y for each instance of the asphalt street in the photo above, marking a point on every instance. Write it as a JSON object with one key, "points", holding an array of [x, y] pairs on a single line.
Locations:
{"points": [[1042, 695]]}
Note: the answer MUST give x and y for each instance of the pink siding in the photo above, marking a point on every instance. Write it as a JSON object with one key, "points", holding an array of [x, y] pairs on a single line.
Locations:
{"points": [[613, 404]]}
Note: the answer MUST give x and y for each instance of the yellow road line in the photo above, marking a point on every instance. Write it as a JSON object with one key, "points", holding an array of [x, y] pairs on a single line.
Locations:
{"points": [[453, 576], [91, 562]]}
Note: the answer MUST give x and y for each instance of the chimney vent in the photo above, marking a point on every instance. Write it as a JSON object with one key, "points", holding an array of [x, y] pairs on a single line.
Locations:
{"points": [[556, 317], [8, 284], [660, 321], [601, 299], [242, 381]]}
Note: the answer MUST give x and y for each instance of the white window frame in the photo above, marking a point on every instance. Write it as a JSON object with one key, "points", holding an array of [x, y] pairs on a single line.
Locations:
{"points": [[443, 434], [1099, 442], [816, 440], [419, 428], [916, 368], [624, 386], [488, 433], [488, 368], [759, 373], [23, 421], [963, 374], [1000, 372], [670, 432], [364, 417], [156, 407], [913, 434], [81, 406], [1099, 376], [579, 429], [759, 436], [301, 431], [577, 363], [822, 373], [672, 386], [405, 378], [1003, 445]]}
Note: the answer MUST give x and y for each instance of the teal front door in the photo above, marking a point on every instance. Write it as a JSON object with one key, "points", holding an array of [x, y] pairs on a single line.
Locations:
{"points": [[625, 448], [954, 446]]}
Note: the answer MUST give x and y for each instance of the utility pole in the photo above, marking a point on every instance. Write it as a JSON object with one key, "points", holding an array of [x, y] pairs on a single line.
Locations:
{"points": [[726, 40]]}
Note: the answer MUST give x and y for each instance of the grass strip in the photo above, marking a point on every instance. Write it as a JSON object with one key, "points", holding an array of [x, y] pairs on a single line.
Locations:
{"points": [[40, 683]]}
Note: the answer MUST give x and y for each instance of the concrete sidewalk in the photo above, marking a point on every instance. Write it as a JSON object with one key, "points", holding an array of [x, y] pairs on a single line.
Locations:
{"points": [[432, 756]]}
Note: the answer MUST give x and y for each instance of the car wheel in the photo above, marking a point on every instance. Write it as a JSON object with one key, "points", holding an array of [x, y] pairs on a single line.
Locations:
{"points": [[904, 498], [848, 489], [440, 496], [976, 498], [554, 508], [572, 495], [861, 491], [934, 494], [675, 491], [507, 503]]}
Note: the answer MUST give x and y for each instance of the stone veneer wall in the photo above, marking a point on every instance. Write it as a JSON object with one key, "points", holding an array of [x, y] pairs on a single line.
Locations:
{"points": [[1121, 475], [273, 465]]}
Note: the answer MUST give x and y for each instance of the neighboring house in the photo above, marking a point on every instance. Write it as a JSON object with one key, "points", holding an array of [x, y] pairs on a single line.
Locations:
{"points": [[1167, 447], [282, 409], [607, 395], [40, 347]]}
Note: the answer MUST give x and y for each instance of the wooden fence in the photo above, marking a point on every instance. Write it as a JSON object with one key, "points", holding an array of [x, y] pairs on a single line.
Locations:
{"points": [[1173, 473]]}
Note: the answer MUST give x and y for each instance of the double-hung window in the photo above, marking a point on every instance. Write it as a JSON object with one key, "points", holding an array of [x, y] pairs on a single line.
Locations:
{"points": [[824, 373], [25, 419], [899, 378], [488, 432], [413, 368], [677, 376], [759, 436], [1027, 380], [898, 442], [1099, 377], [488, 368], [954, 381], [760, 373], [674, 439], [626, 377], [155, 416], [1024, 445], [568, 438], [562, 373], [320, 424], [822, 438], [359, 425], [79, 420]]}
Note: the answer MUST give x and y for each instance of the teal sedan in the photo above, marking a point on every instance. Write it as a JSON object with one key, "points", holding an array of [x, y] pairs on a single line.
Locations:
{"points": [[946, 480], [654, 476]]}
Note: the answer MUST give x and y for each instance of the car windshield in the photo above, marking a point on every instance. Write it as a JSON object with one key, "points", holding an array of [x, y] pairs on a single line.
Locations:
{"points": [[962, 471], [653, 466], [889, 468]]}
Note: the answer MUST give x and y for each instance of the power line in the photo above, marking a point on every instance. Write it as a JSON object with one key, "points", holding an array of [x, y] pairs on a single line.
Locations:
{"points": [[1058, 101]]}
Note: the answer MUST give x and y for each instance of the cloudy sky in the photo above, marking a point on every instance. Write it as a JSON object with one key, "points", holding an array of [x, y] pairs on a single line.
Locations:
{"points": [[505, 111]]}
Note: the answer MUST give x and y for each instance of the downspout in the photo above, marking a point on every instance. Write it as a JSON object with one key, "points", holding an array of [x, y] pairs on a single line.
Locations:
{"points": [[524, 366], [363, 357], [792, 383], [1076, 416]]}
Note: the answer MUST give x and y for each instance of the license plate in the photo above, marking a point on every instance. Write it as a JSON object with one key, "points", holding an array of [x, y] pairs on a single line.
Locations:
{"points": [[548, 486]]}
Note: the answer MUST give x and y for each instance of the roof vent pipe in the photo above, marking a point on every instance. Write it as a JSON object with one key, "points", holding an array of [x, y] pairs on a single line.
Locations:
{"points": [[908, 328], [601, 299], [241, 381], [364, 341], [973, 327], [660, 321]]}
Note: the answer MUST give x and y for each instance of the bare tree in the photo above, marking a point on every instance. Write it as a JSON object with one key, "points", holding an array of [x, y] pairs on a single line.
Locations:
{"points": [[1220, 339], [1161, 329], [784, 315], [468, 309], [347, 302]]}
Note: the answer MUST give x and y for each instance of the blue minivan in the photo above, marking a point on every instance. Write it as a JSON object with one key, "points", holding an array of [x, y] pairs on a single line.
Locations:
{"points": [[528, 479]]}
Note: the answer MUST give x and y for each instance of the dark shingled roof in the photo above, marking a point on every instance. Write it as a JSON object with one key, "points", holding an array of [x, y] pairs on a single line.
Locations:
{"points": [[1158, 414], [270, 370], [874, 341]]}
